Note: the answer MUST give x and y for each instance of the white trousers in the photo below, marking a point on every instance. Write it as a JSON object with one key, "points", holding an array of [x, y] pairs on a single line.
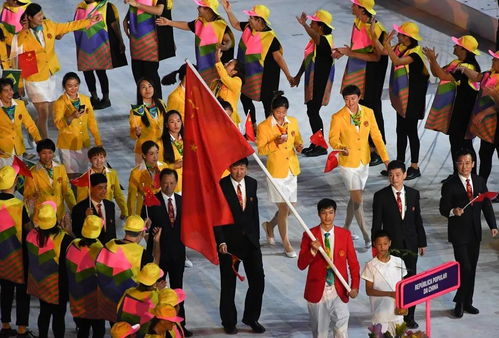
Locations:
{"points": [[330, 309]]}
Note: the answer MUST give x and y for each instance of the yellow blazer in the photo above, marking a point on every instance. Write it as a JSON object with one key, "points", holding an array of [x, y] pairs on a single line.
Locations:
{"points": [[344, 135], [152, 133], [179, 170], [11, 134], [4, 55], [42, 188], [280, 158], [46, 58], [176, 100], [74, 136], [230, 90], [113, 191], [140, 178]]}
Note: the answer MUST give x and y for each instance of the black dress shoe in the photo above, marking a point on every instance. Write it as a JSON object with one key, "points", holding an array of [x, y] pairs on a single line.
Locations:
{"points": [[187, 333], [471, 309], [94, 101], [412, 173], [384, 173], [103, 104], [230, 329], [458, 310], [411, 324], [255, 326], [317, 151], [375, 160], [8, 333], [308, 149]]}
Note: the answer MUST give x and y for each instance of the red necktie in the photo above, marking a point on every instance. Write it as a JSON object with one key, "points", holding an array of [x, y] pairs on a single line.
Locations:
{"points": [[171, 212], [240, 196], [399, 202], [469, 189], [99, 213]]}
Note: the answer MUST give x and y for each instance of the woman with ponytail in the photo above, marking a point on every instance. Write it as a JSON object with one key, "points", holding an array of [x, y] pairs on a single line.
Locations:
{"points": [[173, 144]]}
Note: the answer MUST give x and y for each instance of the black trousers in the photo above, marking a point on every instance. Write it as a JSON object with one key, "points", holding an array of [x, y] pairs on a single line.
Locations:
{"points": [[175, 272], [253, 267], [22, 302], [457, 142], [486, 151], [407, 128], [148, 69], [313, 112], [375, 105], [467, 256], [249, 106], [410, 261], [57, 313], [103, 80], [98, 327]]}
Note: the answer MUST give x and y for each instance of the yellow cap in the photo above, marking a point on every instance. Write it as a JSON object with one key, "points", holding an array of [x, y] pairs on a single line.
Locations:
{"points": [[149, 274], [322, 16], [261, 11], [467, 42], [167, 312], [92, 227], [409, 29], [135, 223], [46, 215], [7, 177], [123, 329], [212, 4], [171, 296], [367, 4]]}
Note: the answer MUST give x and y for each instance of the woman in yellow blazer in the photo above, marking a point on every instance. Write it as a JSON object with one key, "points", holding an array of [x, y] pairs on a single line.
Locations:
{"points": [[49, 181], [13, 116], [40, 39], [279, 138], [97, 158], [74, 117], [145, 175], [146, 118], [173, 144], [176, 99], [350, 129]]}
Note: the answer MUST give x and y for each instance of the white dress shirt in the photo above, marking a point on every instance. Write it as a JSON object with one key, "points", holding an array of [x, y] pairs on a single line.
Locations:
{"points": [[166, 198], [463, 182], [243, 189], [402, 198], [102, 208]]}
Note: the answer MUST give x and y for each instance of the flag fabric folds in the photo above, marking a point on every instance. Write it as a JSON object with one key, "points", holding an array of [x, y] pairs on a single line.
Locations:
{"points": [[318, 139], [332, 161], [82, 181], [483, 195], [211, 144], [21, 167], [249, 131]]}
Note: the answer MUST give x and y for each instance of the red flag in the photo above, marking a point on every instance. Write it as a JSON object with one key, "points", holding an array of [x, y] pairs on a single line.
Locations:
{"points": [[236, 259], [21, 167], [211, 144], [318, 139], [332, 161], [82, 181], [483, 195], [150, 199], [27, 64], [250, 132]]}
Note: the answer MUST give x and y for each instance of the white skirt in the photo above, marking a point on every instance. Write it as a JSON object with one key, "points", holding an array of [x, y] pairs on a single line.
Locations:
{"points": [[75, 161], [288, 186], [355, 178], [42, 91]]}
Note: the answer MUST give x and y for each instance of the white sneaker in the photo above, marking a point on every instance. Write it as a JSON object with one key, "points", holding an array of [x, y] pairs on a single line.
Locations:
{"points": [[355, 237], [291, 254], [188, 263]]}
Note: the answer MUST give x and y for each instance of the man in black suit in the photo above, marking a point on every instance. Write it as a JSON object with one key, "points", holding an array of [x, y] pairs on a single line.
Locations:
{"points": [[396, 210], [464, 225], [167, 218], [97, 205], [241, 239]]}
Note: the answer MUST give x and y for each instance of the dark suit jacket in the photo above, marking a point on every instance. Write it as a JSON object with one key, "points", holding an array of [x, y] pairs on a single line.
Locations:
{"points": [[467, 227], [407, 233], [78, 217], [172, 248], [244, 234]]}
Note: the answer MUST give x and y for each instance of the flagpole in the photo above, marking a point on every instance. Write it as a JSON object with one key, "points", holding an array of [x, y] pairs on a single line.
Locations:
{"points": [[302, 223], [473, 200], [89, 197]]}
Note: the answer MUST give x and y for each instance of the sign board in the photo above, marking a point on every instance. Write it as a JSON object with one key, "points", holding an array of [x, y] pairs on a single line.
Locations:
{"points": [[428, 285]]}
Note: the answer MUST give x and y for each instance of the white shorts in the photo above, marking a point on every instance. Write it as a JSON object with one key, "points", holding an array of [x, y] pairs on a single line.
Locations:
{"points": [[42, 91], [75, 161], [355, 178], [287, 185]]}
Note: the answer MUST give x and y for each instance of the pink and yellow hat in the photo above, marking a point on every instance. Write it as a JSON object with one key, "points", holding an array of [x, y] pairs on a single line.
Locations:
{"points": [[261, 11], [322, 16], [212, 4], [467, 42], [167, 312], [367, 4], [171, 296], [409, 29], [123, 329], [494, 55]]}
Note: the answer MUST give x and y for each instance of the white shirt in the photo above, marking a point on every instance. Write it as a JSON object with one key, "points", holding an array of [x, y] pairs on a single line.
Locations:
{"points": [[243, 189], [331, 244], [102, 208], [463, 181], [402, 198], [384, 276], [273, 121], [166, 198]]}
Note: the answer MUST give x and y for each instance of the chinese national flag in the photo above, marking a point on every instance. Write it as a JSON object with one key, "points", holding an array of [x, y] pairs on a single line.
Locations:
{"points": [[82, 181], [332, 161], [318, 139], [27, 63], [150, 200], [248, 126], [489, 194], [211, 144], [21, 167]]}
